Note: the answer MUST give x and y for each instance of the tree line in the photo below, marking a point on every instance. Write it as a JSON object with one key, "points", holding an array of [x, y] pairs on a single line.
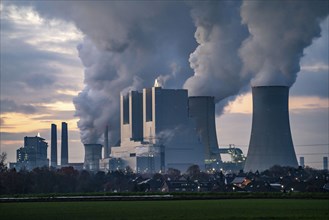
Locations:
{"points": [[47, 180]]}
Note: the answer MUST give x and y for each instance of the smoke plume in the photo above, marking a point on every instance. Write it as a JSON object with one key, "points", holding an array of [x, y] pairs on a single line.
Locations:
{"points": [[127, 46], [279, 33], [215, 61]]}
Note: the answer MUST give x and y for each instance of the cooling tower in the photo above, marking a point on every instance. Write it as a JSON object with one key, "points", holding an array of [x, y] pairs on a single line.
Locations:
{"points": [[53, 149], [93, 153], [202, 111], [270, 141]]}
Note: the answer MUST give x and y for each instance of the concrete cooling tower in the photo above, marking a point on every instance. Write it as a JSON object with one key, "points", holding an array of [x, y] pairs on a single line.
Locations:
{"points": [[93, 153], [270, 142], [202, 111]]}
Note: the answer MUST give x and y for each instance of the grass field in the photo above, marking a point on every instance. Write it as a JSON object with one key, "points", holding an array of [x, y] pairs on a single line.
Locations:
{"points": [[182, 209]]}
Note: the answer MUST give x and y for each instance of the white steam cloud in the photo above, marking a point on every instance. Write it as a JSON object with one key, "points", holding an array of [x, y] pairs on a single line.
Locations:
{"points": [[215, 61], [228, 57], [279, 33], [127, 46]]}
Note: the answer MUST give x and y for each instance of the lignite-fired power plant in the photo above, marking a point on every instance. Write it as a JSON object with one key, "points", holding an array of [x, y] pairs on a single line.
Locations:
{"points": [[164, 128]]}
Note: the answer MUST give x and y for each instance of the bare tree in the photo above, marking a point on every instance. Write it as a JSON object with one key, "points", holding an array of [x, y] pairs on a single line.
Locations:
{"points": [[3, 164]]}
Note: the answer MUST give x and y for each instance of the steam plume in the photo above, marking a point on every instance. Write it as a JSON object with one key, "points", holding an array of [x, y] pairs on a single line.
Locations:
{"points": [[127, 46], [279, 33], [215, 61]]}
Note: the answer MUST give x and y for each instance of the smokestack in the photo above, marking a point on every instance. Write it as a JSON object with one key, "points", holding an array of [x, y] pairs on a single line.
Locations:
{"points": [[270, 142], [93, 153], [53, 149], [202, 111], [106, 142], [64, 146]]}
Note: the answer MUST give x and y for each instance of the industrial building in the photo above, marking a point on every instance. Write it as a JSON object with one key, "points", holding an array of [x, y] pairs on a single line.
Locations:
{"points": [[164, 128], [157, 132], [270, 142], [33, 154], [161, 129]]}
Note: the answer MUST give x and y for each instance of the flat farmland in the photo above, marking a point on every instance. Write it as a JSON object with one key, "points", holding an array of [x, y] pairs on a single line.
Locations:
{"points": [[178, 209]]}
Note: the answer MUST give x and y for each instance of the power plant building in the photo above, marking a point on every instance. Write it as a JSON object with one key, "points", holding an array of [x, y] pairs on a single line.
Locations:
{"points": [[33, 154], [167, 123], [270, 142], [163, 128]]}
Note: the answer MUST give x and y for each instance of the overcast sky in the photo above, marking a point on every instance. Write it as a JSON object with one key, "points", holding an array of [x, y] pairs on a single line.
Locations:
{"points": [[70, 60]]}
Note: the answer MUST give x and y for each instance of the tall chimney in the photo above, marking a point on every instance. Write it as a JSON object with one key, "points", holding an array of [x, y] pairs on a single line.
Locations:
{"points": [[270, 142], [53, 148], [106, 142], [64, 146]]}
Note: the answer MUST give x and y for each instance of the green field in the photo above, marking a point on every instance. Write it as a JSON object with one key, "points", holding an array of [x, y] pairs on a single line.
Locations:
{"points": [[182, 209]]}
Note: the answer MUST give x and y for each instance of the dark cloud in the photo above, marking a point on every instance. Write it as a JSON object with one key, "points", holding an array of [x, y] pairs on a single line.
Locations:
{"points": [[38, 81], [32, 73], [7, 105]]}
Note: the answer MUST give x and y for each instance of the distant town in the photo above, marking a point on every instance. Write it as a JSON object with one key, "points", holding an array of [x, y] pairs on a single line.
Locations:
{"points": [[67, 179]]}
